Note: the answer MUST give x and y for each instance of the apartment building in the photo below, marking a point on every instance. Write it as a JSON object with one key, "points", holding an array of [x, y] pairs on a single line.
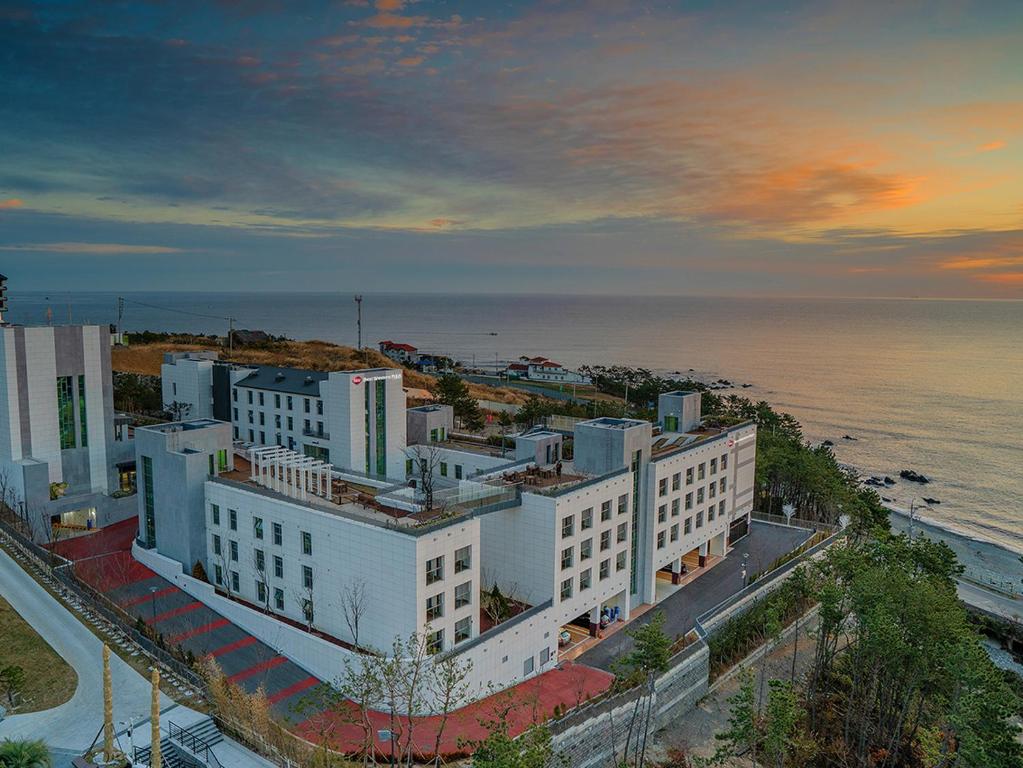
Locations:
{"points": [[187, 378], [62, 460]]}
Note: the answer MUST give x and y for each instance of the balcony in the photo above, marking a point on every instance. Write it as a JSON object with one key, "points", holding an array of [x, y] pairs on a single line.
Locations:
{"points": [[316, 433]]}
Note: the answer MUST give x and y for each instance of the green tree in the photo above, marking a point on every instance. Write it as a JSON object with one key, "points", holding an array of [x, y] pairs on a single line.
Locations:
{"points": [[25, 753], [534, 411], [533, 749], [743, 731], [452, 390], [12, 678], [780, 721], [648, 659]]}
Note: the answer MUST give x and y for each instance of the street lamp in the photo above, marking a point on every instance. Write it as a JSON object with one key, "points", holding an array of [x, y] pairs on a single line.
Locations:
{"points": [[152, 601], [745, 564]]}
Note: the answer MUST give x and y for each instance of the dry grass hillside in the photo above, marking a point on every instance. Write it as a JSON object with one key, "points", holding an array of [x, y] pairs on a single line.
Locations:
{"points": [[314, 355]]}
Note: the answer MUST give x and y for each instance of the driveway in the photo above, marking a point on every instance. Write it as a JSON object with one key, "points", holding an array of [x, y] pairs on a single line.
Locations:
{"points": [[764, 544]]}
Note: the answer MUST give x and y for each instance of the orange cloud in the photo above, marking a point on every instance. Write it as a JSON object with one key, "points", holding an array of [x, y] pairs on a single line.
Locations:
{"points": [[389, 5], [1002, 278], [411, 61], [10, 203], [393, 21], [97, 249], [991, 146]]}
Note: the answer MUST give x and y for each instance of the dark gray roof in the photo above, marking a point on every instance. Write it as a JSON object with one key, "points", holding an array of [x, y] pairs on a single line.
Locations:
{"points": [[295, 381]]}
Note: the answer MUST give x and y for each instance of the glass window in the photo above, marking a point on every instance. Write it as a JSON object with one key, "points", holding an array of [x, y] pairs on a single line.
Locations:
{"points": [[260, 591], [701, 471], [674, 532], [699, 495], [699, 519], [527, 666], [689, 476], [721, 508], [605, 540], [713, 466], [218, 574], [435, 642], [567, 558], [463, 594], [216, 544], [82, 411], [620, 561], [278, 534], [278, 567], [458, 471], [215, 509], [605, 510], [443, 469], [710, 513], [435, 569], [66, 412], [586, 549], [566, 589], [660, 540], [662, 487], [676, 481], [623, 504], [232, 522], [279, 599], [605, 569], [307, 577], [662, 513], [724, 461], [234, 550], [234, 394], [568, 526], [435, 607], [586, 519], [307, 543], [235, 582], [260, 560], [722, 484], [585, 579], [689, 525], [712, 490], [261, 400], [675, 507], [257, 527], [290, 402], [463, 559], [277, 400], [623, 532], [463, 629]]}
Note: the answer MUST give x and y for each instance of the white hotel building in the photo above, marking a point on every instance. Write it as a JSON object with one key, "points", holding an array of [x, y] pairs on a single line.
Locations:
{"points": [[570, 540]]}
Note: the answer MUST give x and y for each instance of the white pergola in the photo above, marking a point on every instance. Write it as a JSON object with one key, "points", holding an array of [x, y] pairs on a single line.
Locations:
{"points": [[289, 472]]}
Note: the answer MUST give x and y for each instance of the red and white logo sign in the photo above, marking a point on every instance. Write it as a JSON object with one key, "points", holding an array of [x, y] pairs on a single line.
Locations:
{"points": [[731, 442], [356, 379]]}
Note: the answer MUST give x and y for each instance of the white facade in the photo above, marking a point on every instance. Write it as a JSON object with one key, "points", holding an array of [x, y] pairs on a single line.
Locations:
{"points": [[188, 378]]}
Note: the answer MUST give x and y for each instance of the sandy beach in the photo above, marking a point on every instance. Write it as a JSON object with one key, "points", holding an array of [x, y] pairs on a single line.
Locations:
{"points": [[986, 562]]}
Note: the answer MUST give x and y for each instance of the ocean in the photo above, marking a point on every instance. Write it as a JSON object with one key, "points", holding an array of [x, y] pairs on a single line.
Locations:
{"points": [[930, 385]]}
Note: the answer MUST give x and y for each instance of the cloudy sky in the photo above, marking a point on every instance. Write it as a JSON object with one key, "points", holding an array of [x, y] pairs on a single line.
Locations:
{"points": [[721, 148]]}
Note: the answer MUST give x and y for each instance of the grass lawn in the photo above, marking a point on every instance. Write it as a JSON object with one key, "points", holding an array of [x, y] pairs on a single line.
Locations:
{"points": [[49, 680]]}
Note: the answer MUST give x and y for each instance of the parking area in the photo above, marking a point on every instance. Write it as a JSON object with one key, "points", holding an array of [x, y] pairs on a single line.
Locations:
{"points": [[706, 588]]}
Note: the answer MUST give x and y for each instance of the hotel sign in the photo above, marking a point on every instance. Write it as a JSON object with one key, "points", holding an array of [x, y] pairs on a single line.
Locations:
{"points": [[360, 379]]}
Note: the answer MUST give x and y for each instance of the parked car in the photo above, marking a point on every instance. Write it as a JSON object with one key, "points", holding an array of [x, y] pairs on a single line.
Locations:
{"points": [[565, 637]]}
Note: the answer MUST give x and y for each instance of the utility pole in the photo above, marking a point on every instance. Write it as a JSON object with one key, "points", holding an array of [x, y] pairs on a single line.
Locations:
{"points": [[120, 313], [358, 319], [230, 335]]}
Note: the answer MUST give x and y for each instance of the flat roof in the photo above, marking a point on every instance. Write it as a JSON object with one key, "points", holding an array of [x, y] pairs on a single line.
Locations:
{"points": [[296, 381]]}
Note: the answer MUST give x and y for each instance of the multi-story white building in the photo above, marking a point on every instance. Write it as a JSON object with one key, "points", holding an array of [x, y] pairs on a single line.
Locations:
{"points": [[582, 541], [60, 455], [187, 378]]}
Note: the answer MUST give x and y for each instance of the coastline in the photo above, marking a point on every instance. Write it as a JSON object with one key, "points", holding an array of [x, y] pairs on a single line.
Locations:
{"points": [[986, 562]]}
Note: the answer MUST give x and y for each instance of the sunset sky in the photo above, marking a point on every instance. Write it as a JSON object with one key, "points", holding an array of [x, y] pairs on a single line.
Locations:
{"points": [[722, 148]]}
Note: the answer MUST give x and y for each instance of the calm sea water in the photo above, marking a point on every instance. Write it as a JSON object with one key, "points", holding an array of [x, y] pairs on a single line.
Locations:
{"points": [[936, 386]]}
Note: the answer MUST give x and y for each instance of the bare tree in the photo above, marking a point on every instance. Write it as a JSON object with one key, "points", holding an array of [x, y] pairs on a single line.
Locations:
{"points": [[426, 461], [353, 605], [495, 602], [450, 690], [177, 409], [304, 597], [259, 565]]}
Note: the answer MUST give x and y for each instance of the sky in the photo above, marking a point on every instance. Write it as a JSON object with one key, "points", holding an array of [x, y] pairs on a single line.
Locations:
{"points": [[710, 148]]}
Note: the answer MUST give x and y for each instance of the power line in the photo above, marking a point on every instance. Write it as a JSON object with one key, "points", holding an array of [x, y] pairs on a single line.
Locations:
{"points": [[173, 309]]}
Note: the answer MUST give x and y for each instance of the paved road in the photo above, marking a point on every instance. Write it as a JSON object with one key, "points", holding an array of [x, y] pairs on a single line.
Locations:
{"points": [[764, 543], [71, 728], [991, 602]]}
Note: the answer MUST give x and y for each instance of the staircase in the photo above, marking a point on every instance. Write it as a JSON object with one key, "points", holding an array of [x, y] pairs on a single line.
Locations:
{"points": [[190, 747]]}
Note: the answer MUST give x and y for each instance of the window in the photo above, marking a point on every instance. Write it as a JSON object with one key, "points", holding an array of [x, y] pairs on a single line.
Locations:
{"points": [[291, 403], [458, 471], [261, 591], [623, 532], [234, 414], [689, 476], [435, 569], [660, 540], [232, 522], [252, 417], [234, 394], [443, 469], [408, 467], [277, 421], [319, 407], [211, 465], [701, 471], [721, 508], [435, 642], [724, 461], [689, 500], [262, 437], [710, 513], [567, 558], [252, 436], [566, 589], [623, 504], [236, 584], [262, 417], [306, 405], [527, 666], [713, 466], [568, 526], [662, 487], [605, 540], [586, 549], [215, 509], [605, 569], [722, 484], [463, 629], [676, 506], [586, 519], [307, 577], [222, 460], [585, 579], [277, 400], [605, 511], [712, 490], [260, 560], [278, 567], [66, 411], [216, 544], [218, 574], [279, 599], [307, 543], [674, 532], [676, 481], [307, 426], [662, 513], [699, 519], [257, 527], [699, 495], [307, 610], [463, 559], [234, 550], [620, 561], [278, 534], [689, 525], [149, 500], [261, 400], [435, 607], [463, 594], [250, 397]]}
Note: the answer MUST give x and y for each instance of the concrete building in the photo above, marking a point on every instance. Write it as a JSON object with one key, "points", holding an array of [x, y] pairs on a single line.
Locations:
{"points": [[60, 456], [542, 369], [187, 378], [429, 423]]}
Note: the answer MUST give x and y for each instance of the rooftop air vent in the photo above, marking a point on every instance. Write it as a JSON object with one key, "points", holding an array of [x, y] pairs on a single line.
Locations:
{"points": [[279, 376], [308, 379]]}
